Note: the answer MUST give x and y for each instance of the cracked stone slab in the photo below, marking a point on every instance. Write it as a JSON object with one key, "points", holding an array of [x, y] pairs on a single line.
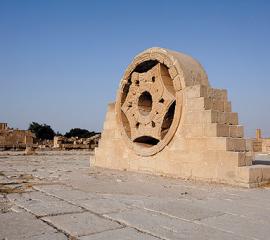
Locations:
{"points": [[258, 212], [80, 224], [102, 205], [121, 234], [65, 192], [167, 227], [24, 226], [251, 229], [132, 201], [41, 204], [181, 209]]}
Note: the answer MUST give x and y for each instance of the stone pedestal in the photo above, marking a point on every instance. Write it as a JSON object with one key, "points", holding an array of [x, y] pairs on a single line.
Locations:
{"points": [[168, 120]]}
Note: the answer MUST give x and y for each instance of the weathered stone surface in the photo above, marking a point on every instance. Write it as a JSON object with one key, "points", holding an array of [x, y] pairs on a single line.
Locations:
{"points": [[65, 192], [122, 233], [181, 209], [151, 206], [247, 208], [80, 224], [102, 205], [231, 223], [169, 228], [41, 205], [168, 120], [159, 207], [18, 226]]}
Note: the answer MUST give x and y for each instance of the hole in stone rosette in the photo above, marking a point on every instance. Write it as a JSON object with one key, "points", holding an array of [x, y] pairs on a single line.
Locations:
{"points": [[137, 83], [126, 124], [161, 100], [146, 141], [167, 120], [125, 91], [145, 103], [145, 66]]}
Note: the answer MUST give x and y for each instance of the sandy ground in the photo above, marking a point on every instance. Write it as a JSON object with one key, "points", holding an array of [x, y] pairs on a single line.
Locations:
{"points": [[55, 195]]}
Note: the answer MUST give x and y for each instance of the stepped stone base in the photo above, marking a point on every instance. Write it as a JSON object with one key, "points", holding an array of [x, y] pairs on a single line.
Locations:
{"points": [[200, 139]]}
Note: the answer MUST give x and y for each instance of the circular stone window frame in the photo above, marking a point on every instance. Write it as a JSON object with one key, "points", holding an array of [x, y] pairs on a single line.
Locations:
{"points": [[177, 76]]}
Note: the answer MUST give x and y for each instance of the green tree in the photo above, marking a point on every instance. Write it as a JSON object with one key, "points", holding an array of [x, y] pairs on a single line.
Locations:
{"points": [[78, 132], [42, 131]]}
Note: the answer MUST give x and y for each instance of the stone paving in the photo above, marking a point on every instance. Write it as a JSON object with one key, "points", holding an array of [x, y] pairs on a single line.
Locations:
{"points": [[55, 195]]}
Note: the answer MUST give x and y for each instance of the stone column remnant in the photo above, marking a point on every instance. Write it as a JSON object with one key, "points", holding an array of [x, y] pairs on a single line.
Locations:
{"points": [[258, 134]]}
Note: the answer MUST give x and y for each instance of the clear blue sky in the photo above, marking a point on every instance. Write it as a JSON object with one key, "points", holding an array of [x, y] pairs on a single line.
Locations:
{"points": [[61, 61]]}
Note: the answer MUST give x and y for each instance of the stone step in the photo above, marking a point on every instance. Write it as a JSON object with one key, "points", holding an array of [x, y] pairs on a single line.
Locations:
{"points": [[254, 176], [226, 144], [201, 144], [203, 103], [230, 118], [198, 91], [223, 130], [211, 116]]}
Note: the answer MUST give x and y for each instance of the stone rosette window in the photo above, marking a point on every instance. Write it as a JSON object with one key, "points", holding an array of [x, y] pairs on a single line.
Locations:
{"points": [[149, 103]]}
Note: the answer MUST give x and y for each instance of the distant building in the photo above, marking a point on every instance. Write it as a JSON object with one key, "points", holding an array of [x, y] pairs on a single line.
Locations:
{"points": [[14, 138]]}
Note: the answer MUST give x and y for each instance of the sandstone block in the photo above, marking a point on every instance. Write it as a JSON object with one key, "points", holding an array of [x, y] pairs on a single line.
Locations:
{"points": [[236, 144], [236, 131], [216, 130], [109, 125], [227, 106], [217, 94], [196, 91]]}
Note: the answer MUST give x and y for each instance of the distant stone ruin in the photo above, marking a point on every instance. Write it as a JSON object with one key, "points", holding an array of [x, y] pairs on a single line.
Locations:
{"points": [[168, 120], [14, 139], [76, 143], [259, 144]]}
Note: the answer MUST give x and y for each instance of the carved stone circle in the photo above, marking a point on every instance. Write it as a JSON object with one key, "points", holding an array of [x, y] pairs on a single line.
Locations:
{"points": [[149, 102]]}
